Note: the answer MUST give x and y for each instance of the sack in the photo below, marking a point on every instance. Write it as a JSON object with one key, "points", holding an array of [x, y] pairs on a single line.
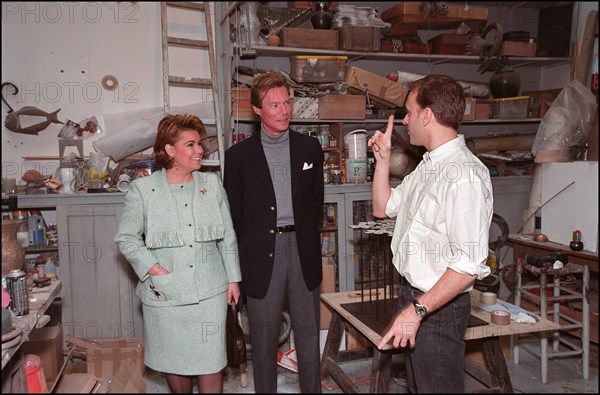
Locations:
{"points": [[236, 344]]}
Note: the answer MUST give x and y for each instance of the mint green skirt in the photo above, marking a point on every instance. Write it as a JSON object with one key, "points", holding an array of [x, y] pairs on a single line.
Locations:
{"points": [[186, 340]]}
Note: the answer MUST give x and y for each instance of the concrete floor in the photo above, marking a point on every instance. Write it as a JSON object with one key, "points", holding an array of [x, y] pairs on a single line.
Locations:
{"points": [[564, 376]]}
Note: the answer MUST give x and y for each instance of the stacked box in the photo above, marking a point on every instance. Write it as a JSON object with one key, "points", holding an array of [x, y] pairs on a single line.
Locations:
{"points": [[296, 37], [359, 38], [317, 68]]}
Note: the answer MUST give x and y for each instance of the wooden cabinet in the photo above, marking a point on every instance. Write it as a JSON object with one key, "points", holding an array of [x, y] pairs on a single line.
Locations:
{"points": [[98, 299]]}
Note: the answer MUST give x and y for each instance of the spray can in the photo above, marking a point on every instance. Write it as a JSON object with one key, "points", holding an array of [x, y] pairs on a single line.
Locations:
{"points": [[16, 285]]}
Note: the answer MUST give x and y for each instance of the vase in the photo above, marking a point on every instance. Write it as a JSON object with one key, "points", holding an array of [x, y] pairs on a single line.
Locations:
{"points": [[13, 254], [321, 19], [505, 84]]}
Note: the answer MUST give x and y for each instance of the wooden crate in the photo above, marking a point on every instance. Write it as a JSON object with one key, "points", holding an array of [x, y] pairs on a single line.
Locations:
{"points": [[410, 12], [359, 38], [449, 44], [342, 107], [514, 48], [296, 37]]}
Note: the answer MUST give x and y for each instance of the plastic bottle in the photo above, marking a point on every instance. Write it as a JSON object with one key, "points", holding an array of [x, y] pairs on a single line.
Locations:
{"points": [[50, 269], [38, 234], [23, 234]]}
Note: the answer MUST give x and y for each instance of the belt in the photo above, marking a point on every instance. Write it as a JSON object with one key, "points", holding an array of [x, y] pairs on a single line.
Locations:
{"points": [[285, 229]]}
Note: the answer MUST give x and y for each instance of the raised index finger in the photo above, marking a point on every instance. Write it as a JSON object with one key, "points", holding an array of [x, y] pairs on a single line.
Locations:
{"points": [[390, 127]]}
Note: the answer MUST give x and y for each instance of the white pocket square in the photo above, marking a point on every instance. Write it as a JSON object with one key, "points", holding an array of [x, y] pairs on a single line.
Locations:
{"points": [[307, 166]]}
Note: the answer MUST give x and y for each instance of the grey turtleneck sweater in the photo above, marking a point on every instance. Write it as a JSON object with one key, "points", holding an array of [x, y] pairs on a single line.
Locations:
{"points": [[277, 151]]}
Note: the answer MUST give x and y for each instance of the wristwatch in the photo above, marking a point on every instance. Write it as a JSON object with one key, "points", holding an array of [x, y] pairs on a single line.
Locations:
{"points": [[419, 309]]}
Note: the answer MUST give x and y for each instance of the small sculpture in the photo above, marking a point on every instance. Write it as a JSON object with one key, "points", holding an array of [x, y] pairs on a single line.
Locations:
{"points": [[13, 122]]}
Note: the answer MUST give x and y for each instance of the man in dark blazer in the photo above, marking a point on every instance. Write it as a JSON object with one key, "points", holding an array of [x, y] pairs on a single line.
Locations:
{"points": [[274, 183]]}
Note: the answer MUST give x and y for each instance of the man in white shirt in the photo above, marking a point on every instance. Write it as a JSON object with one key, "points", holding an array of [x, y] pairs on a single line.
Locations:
{"points": [[440, 244]]}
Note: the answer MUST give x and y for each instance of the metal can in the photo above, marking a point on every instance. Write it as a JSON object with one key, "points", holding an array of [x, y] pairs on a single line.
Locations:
{"points": [[16, 285]]}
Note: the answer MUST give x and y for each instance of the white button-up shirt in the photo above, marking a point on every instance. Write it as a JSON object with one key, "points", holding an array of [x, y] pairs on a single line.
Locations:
{"points": [[444, 211]]}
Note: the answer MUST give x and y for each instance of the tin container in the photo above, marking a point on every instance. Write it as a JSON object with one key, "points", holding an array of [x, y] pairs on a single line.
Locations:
{"points": [[16, 285]]}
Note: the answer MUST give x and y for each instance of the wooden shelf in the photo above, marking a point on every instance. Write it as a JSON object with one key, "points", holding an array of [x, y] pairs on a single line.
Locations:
{"points": [[513, 61], [37, 250], [396, 121]]}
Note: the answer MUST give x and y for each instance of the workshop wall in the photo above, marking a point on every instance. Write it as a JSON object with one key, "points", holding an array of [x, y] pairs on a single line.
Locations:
{"points": [[57, 54]]}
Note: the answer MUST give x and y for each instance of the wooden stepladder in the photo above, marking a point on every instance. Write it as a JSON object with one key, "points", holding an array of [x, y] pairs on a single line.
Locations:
{"points": [[208, 86]]}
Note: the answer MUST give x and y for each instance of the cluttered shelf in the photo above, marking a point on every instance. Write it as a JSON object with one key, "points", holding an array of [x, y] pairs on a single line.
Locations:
{"points": [[515, 62], [396, 121], [40, 300]]}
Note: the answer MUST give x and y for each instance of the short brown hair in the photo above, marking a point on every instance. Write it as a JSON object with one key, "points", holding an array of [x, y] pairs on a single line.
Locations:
{"points": [[168, 131], [443, 95], [262, 84]]}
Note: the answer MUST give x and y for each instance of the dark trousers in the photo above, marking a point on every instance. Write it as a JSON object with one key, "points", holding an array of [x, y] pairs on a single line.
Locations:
{"points": [[265, 317], [437, 362]]}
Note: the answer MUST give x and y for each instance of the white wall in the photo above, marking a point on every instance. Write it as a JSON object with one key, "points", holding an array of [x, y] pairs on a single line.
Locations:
{"points": [[57, 54]]}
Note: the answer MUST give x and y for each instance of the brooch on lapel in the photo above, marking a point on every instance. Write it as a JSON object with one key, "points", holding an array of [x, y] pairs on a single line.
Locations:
{"points": [[203, 191]]}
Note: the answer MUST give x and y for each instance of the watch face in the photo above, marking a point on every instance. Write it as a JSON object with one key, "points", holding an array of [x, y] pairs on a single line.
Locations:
{"points": [[420, 309]]}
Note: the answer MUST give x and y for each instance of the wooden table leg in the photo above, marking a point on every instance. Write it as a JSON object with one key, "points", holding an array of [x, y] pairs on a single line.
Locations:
{"points": [[381, 371], [329, 361], [496, 364]]}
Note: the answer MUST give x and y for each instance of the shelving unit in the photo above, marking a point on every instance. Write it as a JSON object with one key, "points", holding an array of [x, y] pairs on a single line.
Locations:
{"points": [[462, 67]]}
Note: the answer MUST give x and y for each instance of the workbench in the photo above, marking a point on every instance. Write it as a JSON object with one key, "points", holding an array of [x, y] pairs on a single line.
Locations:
{"points": [[524, 245], [382, 359]]}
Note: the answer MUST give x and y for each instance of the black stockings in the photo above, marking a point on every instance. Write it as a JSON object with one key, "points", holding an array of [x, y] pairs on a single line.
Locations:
{"points": [[207, 383]]}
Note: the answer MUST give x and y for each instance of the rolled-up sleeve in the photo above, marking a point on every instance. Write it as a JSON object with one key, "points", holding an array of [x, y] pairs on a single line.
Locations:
{"points": [[469, 222]]}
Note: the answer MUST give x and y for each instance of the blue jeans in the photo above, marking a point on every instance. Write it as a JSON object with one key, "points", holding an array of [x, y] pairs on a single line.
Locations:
{"points": [[437, 362]]}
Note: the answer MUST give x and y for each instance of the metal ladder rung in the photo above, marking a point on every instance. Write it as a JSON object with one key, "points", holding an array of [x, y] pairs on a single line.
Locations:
{"points": [[187, 42], [191, 81], [210, 162], [186, 5]]}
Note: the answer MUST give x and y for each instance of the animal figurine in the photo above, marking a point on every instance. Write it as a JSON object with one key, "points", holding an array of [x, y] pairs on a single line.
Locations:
{"points": [[13, 122]]}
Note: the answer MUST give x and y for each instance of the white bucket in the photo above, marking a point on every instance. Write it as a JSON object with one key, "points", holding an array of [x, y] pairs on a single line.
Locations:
{"points": [[356, 170], [355, 144]]}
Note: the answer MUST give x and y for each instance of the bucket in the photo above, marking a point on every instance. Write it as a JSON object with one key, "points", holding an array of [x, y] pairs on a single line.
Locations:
{"points": [[356, 170], [355, 144]]}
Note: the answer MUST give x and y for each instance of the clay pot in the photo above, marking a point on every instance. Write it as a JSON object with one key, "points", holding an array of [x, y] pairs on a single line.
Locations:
{"points": [[13, 254], [505, 84], [321, 20], [273, 41]]}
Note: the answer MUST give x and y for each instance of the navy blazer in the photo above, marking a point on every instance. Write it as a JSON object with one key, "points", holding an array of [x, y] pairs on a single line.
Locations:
{"points": [[253, 205]]}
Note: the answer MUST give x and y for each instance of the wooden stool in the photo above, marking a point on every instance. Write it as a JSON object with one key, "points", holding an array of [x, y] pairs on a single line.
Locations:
{"points": [[561, 294]]}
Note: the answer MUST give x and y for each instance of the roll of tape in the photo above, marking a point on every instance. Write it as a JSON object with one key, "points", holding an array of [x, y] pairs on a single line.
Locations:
{"points": [[487, 298], [500, 317]]}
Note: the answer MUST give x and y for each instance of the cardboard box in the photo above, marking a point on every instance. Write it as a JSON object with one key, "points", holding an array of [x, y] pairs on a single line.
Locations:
{"points": [[47, 343], [514, 48], [377, 85], [106, 360], [474, 349], [470, 109], [449, 44], [104, 357], [342, 107], [296, 37], [354, 339], [327, 286], [410, 12], [482, 111]]}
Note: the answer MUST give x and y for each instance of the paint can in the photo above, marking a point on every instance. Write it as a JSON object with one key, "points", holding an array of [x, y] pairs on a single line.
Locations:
{"points": [[16, 285], [355, 144], [356, 170]]}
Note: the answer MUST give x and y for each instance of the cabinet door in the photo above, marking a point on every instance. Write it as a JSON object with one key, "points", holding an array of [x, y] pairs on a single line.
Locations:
{"points": [[97, 297], [332, 238]]}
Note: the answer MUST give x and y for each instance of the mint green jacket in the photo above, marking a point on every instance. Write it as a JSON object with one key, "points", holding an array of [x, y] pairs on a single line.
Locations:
{"points": [[150, 231]]}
